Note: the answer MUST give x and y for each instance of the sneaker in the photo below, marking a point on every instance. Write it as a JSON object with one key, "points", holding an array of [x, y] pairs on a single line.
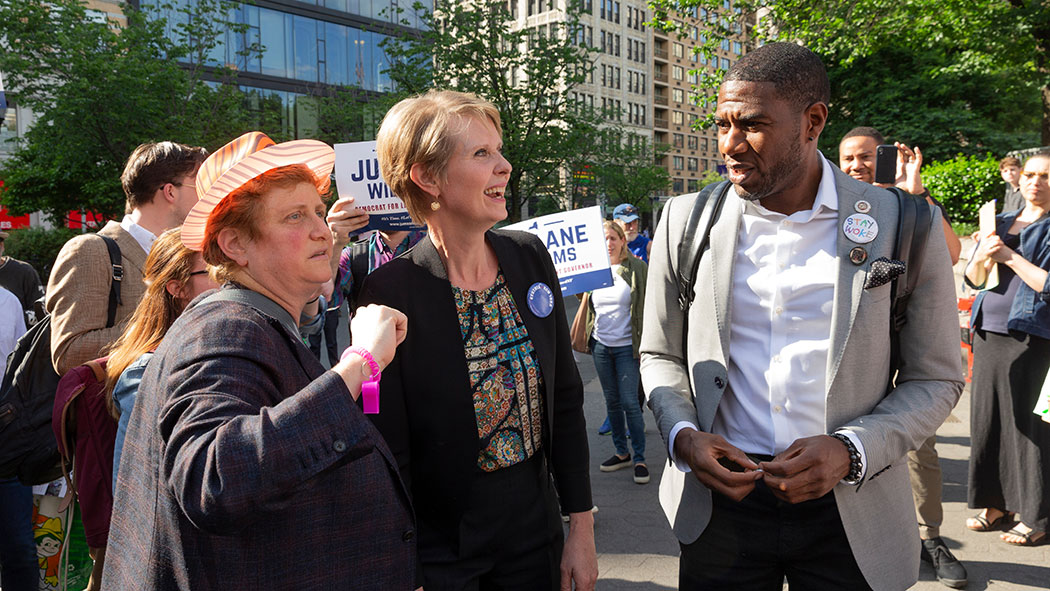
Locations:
{"points": [[949, 570], [641, 474], [565, 516], [605, 429], [615, 463]]}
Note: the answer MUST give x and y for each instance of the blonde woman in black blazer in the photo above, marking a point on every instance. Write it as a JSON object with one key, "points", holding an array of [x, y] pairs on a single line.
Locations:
{"points": [[482, 406]]}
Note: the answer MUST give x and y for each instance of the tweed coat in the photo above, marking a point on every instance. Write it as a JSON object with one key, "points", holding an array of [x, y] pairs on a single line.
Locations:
{"points": [[78, 295], [428, 413], [687, 385], [247, 466]]}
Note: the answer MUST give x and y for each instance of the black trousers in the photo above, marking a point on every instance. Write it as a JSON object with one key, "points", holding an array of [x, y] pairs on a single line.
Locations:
{"points": [[510, 538], [755, 544]]}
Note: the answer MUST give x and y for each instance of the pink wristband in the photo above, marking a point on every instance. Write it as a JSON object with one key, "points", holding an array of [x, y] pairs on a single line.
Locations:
{"points": [[370, 386]]}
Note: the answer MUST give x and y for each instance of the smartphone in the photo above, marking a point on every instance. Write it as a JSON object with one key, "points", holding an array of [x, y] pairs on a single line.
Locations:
{"points": [[886, 164]]}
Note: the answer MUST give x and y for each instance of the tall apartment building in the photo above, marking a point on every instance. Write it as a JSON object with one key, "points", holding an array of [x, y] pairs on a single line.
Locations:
{"points": [[691, 152]]}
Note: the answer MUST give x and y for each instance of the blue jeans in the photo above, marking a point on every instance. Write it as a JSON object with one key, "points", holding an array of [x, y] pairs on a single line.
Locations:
{"points": [[618, 373], [19, 570]]}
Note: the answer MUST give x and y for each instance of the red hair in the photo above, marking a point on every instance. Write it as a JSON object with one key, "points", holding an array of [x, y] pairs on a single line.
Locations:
{"points": [[240, 210]]}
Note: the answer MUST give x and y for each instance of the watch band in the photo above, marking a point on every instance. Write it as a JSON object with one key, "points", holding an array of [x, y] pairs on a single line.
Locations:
{"points": [[370, 385]]}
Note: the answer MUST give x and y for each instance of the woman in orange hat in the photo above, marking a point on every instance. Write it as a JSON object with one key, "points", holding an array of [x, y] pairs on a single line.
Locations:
{"points": [[254, 468]]}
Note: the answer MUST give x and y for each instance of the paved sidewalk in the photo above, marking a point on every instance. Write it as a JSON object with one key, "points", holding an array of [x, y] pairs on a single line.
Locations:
{"points": [[637, 551]]}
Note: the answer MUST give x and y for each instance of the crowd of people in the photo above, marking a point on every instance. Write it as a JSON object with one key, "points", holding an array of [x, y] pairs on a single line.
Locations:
{"points": [[447, 443]]}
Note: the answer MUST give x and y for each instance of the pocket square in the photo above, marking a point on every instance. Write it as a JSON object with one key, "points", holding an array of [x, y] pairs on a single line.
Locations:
{"points": [[883, 270]]}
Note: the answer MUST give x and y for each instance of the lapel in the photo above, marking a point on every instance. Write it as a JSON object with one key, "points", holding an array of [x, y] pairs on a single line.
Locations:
{"points": [[443, 381], [849, 287], [520, 276], [722, 250]]}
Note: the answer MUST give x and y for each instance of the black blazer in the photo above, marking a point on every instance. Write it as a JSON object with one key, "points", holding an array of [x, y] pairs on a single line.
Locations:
{"points": [[427, 406]]}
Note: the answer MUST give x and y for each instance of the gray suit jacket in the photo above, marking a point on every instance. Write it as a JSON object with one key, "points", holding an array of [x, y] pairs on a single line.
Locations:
{"points": [[877, 514]]}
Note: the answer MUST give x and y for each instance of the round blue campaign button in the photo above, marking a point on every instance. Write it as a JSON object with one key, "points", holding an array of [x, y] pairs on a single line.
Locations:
{"points": [[541, 299]]}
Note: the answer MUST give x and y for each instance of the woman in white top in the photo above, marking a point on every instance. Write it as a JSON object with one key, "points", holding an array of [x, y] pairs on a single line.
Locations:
{"points": [[614, 327]]}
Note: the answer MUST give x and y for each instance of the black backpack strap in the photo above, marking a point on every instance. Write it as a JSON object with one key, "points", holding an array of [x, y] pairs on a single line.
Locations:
{"points": [[358, 270], [913, 229], [695, 238], [118, 278]]}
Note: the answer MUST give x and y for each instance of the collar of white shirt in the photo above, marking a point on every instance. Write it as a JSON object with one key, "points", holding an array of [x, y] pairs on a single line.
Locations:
{"points": [[144, 237]]}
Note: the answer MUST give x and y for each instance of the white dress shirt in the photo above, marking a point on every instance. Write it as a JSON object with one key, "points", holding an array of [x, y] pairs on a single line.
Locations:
{"points": [[12, 323], [144, 237], [784, 274]]}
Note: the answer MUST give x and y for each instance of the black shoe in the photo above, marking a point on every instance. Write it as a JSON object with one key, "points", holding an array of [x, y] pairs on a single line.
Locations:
{"points": [[641, 474], [949, 570], [615, 463]]}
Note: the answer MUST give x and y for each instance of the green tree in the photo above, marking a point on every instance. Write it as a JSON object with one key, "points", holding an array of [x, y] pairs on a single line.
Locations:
{"points": [[983, 64], [949, 76], [528, 73], [101, 88], [626, 171]]}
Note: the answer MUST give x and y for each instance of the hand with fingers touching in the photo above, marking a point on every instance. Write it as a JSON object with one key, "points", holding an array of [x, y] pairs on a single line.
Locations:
{"points": [[808, 469], [345, 219], [705, 454]]}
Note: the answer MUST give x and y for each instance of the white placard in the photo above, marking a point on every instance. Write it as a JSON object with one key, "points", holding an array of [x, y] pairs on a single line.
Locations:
{"points": [[576, 242]]}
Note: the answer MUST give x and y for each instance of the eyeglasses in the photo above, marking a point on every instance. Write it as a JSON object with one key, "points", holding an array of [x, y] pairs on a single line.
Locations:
{"points": [[201, 272], [185, 185]]}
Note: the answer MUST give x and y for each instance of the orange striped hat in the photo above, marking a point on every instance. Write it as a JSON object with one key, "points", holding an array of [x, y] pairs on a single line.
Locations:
{"points": [[238, 162]]}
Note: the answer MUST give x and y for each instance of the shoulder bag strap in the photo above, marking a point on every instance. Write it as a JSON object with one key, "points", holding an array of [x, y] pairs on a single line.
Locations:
{"points": [[257, 301], [695, 238], [913, 229], [118, 278]]}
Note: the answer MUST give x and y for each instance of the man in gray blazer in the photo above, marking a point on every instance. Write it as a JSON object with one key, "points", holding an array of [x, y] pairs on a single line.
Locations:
{"points": [[787, 444]]}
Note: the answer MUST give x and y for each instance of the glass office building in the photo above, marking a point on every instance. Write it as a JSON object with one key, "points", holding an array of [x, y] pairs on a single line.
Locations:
{"points": [[308, 45]]}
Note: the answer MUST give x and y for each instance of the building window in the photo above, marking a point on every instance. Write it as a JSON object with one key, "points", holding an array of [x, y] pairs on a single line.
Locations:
{"points": [[693, 186], [677, 117], [679, 50], [677, 140], [678, 95], [678, 187], [692, 142], [679, 162], [677, 72], [692, 164]]}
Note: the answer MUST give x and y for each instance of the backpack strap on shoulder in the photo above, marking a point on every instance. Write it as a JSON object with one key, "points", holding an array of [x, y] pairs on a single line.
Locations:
{"points": [[913, 229], [118, 278], [695, 238]]}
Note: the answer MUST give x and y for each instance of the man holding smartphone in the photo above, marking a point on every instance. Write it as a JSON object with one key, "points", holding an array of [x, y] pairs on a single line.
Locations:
{"points": [[857, 158]]}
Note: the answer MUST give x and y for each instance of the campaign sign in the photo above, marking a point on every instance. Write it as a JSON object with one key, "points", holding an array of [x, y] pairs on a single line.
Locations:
{"points": [[576, 242], [357, 176]]}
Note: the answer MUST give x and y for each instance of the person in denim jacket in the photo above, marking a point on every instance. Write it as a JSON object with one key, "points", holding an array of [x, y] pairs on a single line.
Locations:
{"points": [[1010, 446]]}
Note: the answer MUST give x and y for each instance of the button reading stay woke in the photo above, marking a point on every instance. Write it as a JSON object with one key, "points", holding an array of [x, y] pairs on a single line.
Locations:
{"points": [[860, 228]]}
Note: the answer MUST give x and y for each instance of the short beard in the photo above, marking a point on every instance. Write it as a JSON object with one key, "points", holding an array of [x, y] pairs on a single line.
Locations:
{"points": [[784, 168]]}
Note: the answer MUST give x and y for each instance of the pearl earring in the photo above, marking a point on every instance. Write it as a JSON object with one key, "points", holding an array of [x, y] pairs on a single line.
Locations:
{"points": [[434, 205]]}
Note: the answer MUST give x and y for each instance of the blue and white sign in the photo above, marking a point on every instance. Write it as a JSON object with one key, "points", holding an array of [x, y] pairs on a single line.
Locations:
{"points": [[576, 242], [357, 175]]}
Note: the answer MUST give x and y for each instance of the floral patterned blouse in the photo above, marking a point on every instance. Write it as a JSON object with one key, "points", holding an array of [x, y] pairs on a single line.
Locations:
{"points": [[504, 376]]}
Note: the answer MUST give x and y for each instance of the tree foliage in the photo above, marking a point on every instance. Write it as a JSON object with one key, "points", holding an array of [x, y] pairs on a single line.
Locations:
{"points": [[626, 173], [528, 73], [963, 184], [99, 89], [953, 76]]}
